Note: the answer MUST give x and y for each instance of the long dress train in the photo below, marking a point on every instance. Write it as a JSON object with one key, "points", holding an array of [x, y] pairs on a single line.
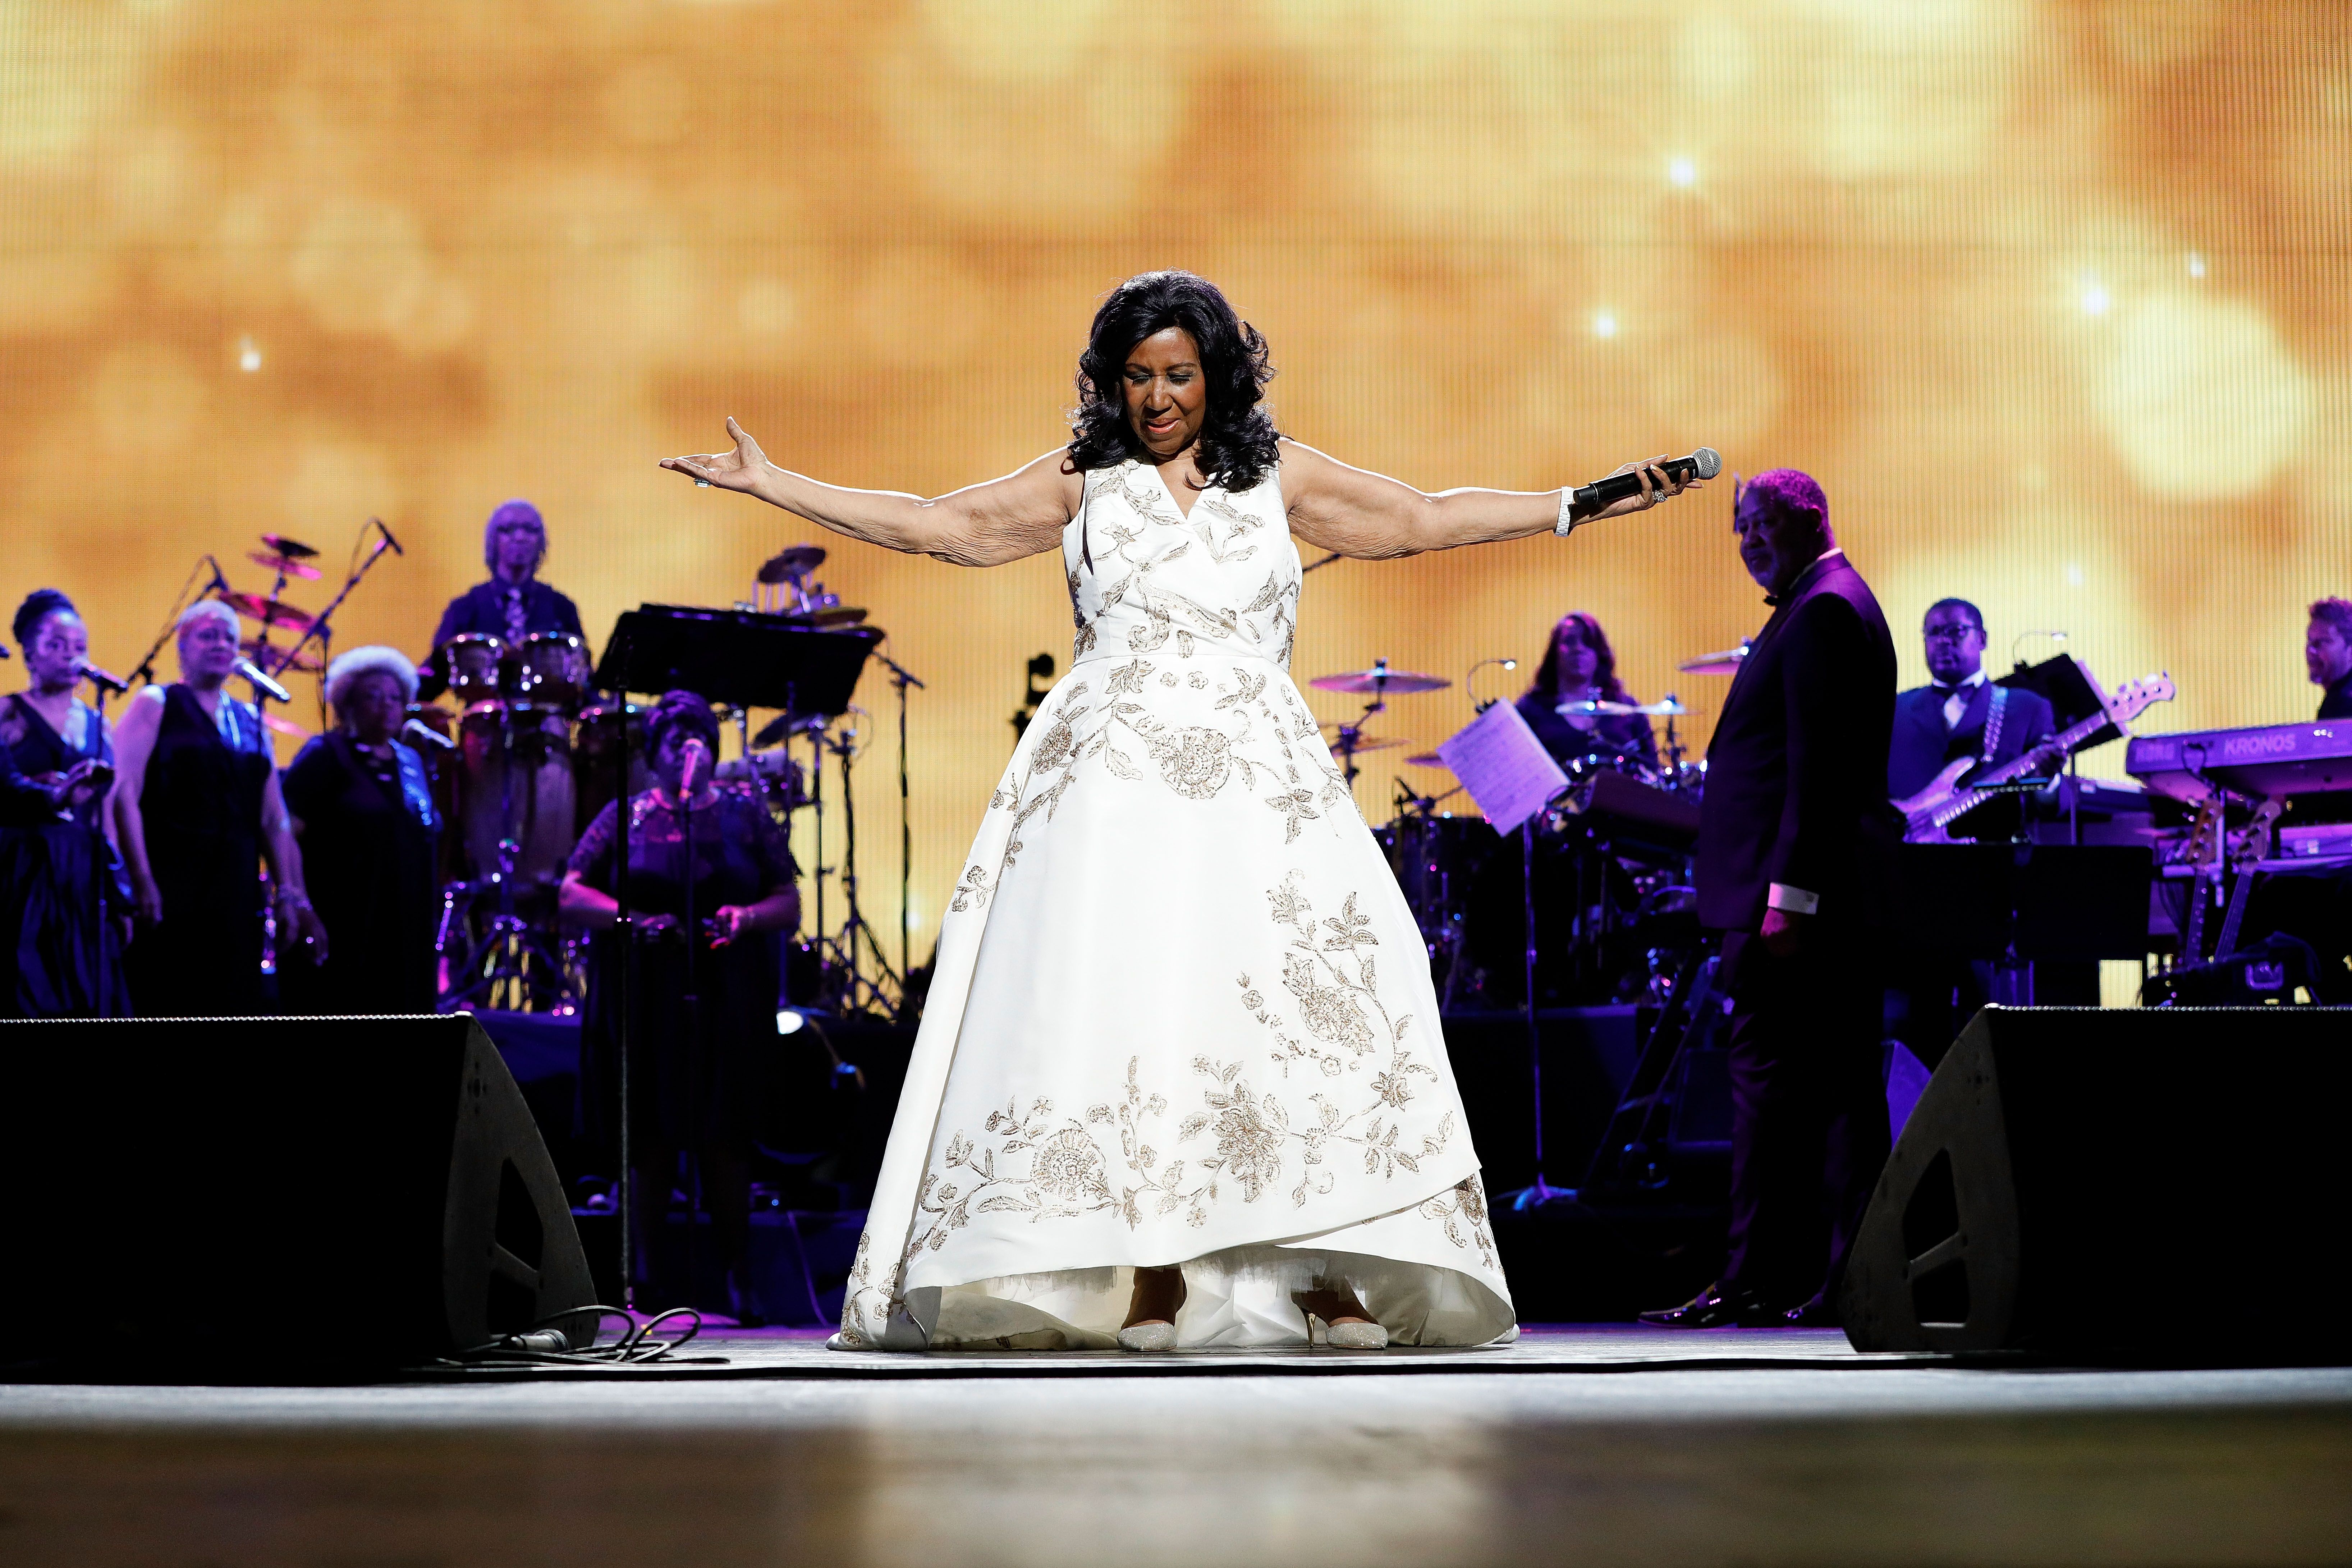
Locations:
{"points": [[1181, 1012]]}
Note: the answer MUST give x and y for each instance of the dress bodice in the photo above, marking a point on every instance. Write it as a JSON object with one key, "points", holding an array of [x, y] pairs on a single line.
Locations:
{"points": [[1145, 577], [40, 750]]}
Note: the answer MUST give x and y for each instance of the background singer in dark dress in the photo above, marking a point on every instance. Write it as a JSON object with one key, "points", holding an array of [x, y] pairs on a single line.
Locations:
{"points": [[1796, 853], [364, 812], [198, 809], [63, 899], [703, 1003]]}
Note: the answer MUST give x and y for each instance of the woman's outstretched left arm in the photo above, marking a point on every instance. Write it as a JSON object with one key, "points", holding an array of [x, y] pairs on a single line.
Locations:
{"points": [[1373, 516]]}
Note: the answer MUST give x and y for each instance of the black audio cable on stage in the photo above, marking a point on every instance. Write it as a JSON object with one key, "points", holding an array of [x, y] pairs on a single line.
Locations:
{"points": [[542, 1344]]}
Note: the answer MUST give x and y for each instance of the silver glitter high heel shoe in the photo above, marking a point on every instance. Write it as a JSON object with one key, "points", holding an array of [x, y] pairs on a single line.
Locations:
{"points": [[1365, 1336], [1147, 1336]]}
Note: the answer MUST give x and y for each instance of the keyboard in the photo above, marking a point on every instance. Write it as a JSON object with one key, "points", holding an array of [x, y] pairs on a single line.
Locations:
{"points": [[2271, 760]]}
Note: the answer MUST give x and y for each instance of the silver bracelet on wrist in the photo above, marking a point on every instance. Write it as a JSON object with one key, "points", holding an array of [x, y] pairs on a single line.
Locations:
{"points": [[1568, 520]]}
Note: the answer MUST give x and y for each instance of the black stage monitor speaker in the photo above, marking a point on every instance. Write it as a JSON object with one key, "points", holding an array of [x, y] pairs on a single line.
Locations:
{"points": [[259, 1195], [2127, 1183]]}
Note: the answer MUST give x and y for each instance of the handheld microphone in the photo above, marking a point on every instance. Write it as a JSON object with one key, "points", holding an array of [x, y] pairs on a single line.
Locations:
{"points": [[112, 684], [1703, 464], [697, 758], [418, 729], [388, 538], [262, 683]]}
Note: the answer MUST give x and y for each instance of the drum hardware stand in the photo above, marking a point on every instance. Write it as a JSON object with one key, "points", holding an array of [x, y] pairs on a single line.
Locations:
{"points": [[318, 629], [1539, 1191], [857, 993], [509, 945], [1410, 804], [901, 678], [1626, 1162]]}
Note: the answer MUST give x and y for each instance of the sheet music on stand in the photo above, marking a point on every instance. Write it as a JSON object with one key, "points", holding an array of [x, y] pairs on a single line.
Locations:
{"points": [[1504, 766]]}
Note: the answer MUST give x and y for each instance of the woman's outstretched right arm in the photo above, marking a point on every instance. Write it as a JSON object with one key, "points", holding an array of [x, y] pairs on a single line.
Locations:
{"points": [[980, 525]]}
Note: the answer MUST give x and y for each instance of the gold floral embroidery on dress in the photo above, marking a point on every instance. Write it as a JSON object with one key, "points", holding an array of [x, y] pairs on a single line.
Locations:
{"points": [[1196, 761], [1237, 1137], [1125, 570], [1463, 1211]]}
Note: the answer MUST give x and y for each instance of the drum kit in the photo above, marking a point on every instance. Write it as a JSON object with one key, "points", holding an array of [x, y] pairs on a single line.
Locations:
{"points": [[1608, 852], [514, 769]]}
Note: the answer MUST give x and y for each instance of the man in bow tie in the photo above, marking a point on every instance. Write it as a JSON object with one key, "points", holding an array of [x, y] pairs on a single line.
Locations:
{"points": [[1794, 857], [1959, 713]]}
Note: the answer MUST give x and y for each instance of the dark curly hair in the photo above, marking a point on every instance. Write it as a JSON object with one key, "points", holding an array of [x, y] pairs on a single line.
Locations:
{"points": [[681, 711], [1604, 659], [38, 605], [1236, 444]]}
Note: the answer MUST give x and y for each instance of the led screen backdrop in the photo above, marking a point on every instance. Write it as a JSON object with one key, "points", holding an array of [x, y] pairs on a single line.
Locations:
{"points": [[2052, 297]]}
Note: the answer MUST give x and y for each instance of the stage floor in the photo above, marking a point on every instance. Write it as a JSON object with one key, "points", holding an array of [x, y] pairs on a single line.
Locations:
{"points": [[1604, 1444]]}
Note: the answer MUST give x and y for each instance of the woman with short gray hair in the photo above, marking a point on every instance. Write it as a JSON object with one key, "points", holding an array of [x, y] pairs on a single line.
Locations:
{"points": [[363, 810]]}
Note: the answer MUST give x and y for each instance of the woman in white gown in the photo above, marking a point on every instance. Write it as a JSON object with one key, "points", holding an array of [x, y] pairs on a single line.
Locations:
{"points": [[1180, 1079]]}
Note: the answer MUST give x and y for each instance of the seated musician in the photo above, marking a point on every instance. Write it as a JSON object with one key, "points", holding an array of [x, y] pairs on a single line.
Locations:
{"points": [[2327, 656], [1580, 666], [514, 604], [1959, 713]]}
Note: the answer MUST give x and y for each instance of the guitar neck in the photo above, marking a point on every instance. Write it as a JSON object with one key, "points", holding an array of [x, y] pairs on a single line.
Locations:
{"points": [[2067, 740], [1966, 798]]}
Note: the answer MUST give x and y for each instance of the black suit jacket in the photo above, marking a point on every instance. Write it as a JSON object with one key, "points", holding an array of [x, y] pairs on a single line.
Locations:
{"points": [[1796, 771], [1922, 746], [2337, 701]]}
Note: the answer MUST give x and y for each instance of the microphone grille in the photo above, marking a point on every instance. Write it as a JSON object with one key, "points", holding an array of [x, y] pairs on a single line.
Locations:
{"points": [[1707, 462]]}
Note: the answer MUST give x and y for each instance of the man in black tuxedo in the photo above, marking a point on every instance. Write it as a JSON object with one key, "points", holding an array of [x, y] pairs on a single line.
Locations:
{"points": [[1795, 851], [1960, 713]]}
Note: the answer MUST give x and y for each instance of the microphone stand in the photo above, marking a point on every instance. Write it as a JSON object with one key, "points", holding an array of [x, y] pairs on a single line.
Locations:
{"points": [[145, 670], [901, 678], [625, 935], [101, 882], [317, 630]]}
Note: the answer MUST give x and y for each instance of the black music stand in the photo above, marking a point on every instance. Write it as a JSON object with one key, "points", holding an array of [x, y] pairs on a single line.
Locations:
{"points": [[738, 658], [741, 658], [2071, 695]]}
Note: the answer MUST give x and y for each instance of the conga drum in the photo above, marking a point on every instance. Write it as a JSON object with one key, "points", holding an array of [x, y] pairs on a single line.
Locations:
{"points": [[592, 747], [550, 668], [470, 663], [515, 782]]}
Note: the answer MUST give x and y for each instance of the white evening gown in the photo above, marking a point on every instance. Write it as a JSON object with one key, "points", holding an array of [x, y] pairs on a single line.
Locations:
{"points": [[1181, 1012]]}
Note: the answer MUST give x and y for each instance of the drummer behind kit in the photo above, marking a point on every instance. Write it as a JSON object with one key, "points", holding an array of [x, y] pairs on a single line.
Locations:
{"points": [[1608, 832]]}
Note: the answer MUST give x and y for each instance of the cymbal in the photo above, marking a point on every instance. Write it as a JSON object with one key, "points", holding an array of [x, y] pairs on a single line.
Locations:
{"points": [[793, 561], [284, 726], [274, 612], [269, 655], [1725, 662], [1427, 759], [1366, 743], [838, 615], [1380, 678], [285, 546], [1666, 708], [283, 564]]}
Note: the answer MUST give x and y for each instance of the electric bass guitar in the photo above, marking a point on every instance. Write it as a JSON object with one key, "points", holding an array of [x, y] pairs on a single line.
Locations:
{"points": [[1945, 800]]}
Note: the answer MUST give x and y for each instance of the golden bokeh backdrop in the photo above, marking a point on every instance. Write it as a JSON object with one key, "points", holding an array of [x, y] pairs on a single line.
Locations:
{"points": [[2052, 297]]}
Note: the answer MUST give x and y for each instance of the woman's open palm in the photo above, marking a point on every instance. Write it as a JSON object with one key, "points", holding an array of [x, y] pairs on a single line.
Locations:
{"points": [[735, 470]]}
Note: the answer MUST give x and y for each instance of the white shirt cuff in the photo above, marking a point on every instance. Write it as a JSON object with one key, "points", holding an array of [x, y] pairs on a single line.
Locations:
{"points": [[1795, 901]]}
